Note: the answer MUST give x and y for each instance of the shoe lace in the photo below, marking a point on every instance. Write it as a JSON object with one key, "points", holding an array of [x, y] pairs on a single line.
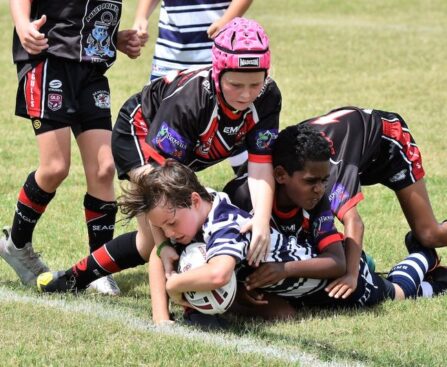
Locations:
{"points": [[31, 259]]}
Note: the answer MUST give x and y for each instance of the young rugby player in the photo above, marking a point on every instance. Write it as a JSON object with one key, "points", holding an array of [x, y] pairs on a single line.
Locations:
{"points": [[199, 118], [62, 50], [172, 199]]}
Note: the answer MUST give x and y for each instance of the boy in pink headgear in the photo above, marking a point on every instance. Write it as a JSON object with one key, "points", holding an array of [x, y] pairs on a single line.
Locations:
{"points": [[198, 117]]}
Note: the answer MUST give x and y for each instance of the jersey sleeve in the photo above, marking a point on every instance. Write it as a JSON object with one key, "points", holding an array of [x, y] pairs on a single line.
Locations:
{"points": [[264, 132], [323, 227], [345, 188], [173, 130]]}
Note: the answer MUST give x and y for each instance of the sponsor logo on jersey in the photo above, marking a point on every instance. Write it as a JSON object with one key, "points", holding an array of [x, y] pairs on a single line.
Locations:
{"points": [[337, 196], [54, 101], [55, 84], [251, 62], [399, 176], [229, 130], [102, 99], [266, 138], [171, 142]]}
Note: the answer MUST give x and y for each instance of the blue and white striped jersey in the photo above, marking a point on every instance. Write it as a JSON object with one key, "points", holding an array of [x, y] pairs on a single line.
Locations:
{"points": [[182, 39], [221, 233]]}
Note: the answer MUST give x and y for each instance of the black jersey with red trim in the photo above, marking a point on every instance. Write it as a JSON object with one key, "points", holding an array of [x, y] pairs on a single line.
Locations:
{"points": [[314, 228], [187, 121], [79, 30], [355, 137]]}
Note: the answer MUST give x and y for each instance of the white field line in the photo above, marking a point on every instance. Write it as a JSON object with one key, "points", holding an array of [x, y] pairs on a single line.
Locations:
{"points": [[242, 345]]}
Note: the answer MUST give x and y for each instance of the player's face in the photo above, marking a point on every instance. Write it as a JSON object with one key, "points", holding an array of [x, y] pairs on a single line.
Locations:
{"points": [[241, 89], [178, 224], [305, 188]]}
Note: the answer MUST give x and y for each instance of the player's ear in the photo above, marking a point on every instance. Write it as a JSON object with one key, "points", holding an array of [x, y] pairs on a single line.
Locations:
{"points": [[280, 174], [196, 199]]}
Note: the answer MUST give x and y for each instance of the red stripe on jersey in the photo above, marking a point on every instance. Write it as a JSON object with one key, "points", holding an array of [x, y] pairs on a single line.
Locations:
{"points": [[393, 130], [281, 214], [219, 148], [157, 157], [104, 260], [25, 200], [33, 90], [249, 122], [349, 204], [92, 215], [256, 158], [141, 129], [329, 240], [232, 115]]}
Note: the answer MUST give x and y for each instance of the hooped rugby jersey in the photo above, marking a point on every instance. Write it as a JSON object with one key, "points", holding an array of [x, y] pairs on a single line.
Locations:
{"points": [[79, 30], [221, 233], [314, 228], [355, 136], [185, 120], [182, 40]]}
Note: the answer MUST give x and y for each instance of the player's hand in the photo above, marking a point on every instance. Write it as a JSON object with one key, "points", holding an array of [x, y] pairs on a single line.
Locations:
{"points": [[33, 41], [250, 298], [169, 258], [267, 273], [214, 28], [175, 296], [129, 43], [260, 241], [141, 26], [342, 287]]}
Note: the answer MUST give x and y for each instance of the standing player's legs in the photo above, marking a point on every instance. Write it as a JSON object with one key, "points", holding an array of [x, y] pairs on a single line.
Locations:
{"points": [[36, 193], [99, 201]]}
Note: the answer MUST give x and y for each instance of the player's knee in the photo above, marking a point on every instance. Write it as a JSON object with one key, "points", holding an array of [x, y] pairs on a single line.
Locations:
{"points": [[428, 237], [54, 173], [106, 172]]}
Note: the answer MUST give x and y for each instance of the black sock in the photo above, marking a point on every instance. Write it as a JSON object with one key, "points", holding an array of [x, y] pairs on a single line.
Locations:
{"points": [[100, 218], [116, 255], [31, 204]]}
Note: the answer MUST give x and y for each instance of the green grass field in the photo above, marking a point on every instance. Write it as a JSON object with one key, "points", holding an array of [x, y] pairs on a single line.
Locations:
{"points": [[389, 55]]}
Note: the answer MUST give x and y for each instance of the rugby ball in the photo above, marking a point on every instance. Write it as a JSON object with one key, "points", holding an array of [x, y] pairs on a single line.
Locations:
{"points": [[212, 302]]}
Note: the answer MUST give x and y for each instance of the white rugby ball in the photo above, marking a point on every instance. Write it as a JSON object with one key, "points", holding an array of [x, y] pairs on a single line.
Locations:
{"points": [[212, 302]]}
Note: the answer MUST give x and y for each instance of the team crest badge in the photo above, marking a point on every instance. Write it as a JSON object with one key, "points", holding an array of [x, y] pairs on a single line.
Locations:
{"points": [[265, 139], [102, 99], [54, 101]]}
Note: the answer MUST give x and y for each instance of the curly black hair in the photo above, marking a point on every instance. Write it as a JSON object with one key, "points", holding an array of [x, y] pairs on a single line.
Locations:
{"points": [[298, 144]]}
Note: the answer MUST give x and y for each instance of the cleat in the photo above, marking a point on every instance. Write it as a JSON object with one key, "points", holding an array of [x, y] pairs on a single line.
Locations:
{"points": [[105, 285], [203, 321], [413, 245], [438, 280], [25, 262], [56, 281]]}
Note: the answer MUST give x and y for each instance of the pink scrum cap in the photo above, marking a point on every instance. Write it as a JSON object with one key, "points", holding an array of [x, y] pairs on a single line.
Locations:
{"points": [[242, 45]]}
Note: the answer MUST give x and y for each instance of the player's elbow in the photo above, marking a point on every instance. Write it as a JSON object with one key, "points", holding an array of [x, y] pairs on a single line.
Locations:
{"points": [[219, 277]]}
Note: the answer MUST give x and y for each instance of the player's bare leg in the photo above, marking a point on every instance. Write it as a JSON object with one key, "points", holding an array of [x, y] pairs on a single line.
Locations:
{"points": [[99, 201], [418, 211]]}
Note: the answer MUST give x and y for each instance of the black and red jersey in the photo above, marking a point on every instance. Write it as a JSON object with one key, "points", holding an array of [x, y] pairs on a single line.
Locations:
{"points": [[187, 121], [79, 30], [367, 147]]}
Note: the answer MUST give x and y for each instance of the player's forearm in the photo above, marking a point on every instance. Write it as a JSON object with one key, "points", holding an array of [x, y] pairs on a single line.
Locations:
{"points": [[316, 268], [237, 8], [145, 8], [157, 282], [353, 232], [20, 11], [212, 275], [261, 185]]}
